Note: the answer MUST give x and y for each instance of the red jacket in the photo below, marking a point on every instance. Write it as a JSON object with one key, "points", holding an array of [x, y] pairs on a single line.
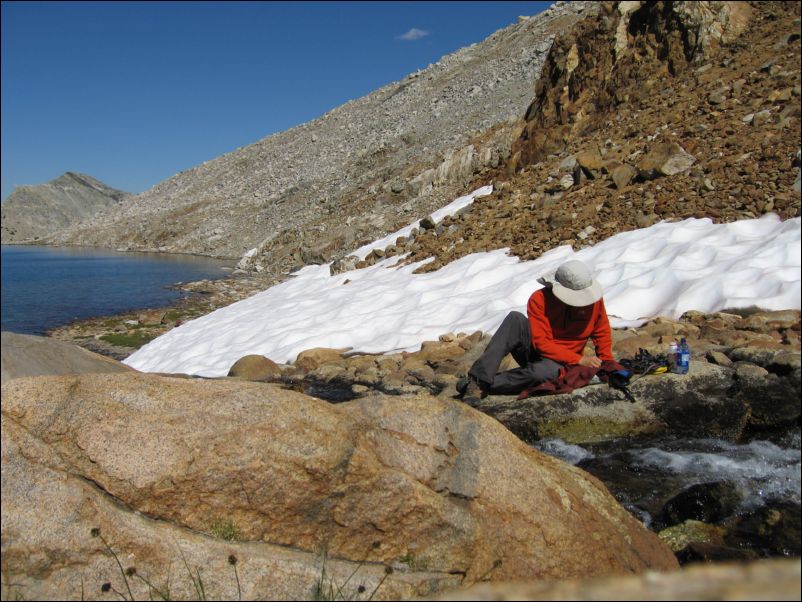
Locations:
{"points": [[560, 331], [573, 377]]}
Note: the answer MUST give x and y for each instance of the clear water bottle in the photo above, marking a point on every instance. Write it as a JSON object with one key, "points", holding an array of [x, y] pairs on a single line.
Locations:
{"points": [[673, 352], [683, 357]]}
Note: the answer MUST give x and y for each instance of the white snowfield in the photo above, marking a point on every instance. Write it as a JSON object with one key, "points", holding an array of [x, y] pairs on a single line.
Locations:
{"points": [[664, 270]]}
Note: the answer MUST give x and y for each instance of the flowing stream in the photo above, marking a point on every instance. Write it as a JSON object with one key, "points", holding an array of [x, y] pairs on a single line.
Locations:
{"points": [[726, 482]]}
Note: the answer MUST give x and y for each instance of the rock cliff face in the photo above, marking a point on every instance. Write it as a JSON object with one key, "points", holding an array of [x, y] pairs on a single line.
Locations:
{"points": [[590, 72], [632, 123], [34, 212], [357, 172]]}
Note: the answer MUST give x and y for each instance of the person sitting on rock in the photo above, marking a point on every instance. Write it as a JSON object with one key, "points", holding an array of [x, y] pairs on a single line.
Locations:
{"points": [[562, 316]]}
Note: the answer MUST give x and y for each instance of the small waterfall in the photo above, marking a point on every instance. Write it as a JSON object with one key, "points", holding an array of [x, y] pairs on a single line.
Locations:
{"points": [[737, 481]]}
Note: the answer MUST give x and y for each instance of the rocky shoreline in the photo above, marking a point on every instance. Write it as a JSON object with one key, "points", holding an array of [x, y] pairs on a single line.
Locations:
{"points": [[118, 336]]}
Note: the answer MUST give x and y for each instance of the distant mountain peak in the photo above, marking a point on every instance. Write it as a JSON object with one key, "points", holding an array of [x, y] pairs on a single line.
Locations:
{"points": [[32, 213]]}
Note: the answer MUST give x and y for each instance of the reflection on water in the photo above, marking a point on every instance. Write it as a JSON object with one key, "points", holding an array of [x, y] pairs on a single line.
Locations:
{"points": [[46, 287]]}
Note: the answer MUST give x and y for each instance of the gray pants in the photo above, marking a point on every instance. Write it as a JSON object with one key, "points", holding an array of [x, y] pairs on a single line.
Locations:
{"points": [[514, 337]]}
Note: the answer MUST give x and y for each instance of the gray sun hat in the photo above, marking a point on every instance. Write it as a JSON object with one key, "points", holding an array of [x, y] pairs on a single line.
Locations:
{"points": [[574, 285]]}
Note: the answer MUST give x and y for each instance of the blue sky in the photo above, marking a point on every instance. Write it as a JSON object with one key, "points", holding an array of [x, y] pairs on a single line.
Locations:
{"points": [[134, 92]]}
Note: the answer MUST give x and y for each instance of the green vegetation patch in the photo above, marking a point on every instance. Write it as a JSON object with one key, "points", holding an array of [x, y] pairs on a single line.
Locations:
{"points": [[180, 314], [134, 339], [416, 564], [679, 536], [223, 528], [592, 430]]}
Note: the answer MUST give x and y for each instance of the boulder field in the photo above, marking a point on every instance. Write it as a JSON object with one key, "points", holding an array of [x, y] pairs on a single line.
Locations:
{"points": [[744, 380]]}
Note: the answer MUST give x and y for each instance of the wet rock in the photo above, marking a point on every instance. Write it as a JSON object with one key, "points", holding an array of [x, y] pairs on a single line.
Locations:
{"points": [[706, 502], [773, 400], [691, 531], [773, 530], [725, 397], [699, 403], [640, 488], [710, 552]]}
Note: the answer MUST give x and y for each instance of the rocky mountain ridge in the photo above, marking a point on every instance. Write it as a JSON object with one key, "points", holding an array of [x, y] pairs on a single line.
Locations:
{"points": [[727, 119], [355, 173], [33, 212], [664, 132]]}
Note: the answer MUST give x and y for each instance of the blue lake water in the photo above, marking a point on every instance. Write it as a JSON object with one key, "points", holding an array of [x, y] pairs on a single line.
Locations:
{"points": [[46, 287]]}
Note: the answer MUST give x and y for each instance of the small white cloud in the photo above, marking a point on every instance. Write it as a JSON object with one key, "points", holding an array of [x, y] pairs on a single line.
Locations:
{"points": [[414, 34]]}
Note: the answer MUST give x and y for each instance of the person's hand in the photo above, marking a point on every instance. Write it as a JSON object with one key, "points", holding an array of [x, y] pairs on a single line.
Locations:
{"points": [[591, 361]]}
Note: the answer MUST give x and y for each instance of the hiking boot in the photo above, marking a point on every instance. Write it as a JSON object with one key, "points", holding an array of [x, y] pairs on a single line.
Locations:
{"points": [[471, 390]]}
